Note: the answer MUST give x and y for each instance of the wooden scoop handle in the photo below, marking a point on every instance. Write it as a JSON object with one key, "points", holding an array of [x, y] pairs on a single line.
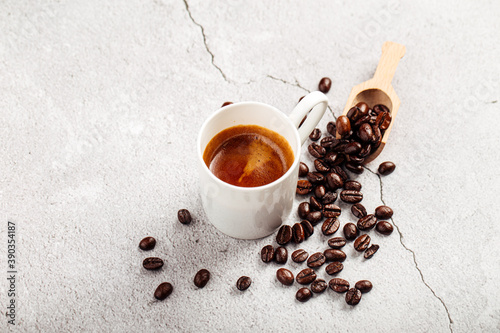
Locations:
{"points": [[391, 54]]}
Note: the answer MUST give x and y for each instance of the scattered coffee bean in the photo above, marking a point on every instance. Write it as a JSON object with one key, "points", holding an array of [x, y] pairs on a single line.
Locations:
{"points": [[308, 228], [334, 181], [331, 210], [353, 296], [339, 285], [316, 260], [386, 168], [304, 209], [298, 233], [351, 196], [329, 142], [380, 108], [343, 126], [358, 210], [315, 134], [383, 120], [306, 276], [318, 286], [315, 204], [384, 227], [303, 295], [365, 132], [243, 283], [367, 222], [303, 169], [325, 85], [334, 255], [354, 167], [281, 255], [319, 192], [353, 148], [163, 291], [184, 216], [284, 235], [350, 231], [371, 251], [299, 255], [267, 253], [331, 158], [226, 104], [321, 166], [316, 150], [334, 268], [303, 187], [361, 243], [330, 226], [331, 128], [284, 276], [364, 286], [383, 212], [339, 171], [314, 217], [337, 242], [147, 244], [201, 278], [152, 263], [352, 185], [329, 197], [315, 178]]}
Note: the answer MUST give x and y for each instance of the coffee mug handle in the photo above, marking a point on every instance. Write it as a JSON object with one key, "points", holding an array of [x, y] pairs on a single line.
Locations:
{"points": [[316, 102]]}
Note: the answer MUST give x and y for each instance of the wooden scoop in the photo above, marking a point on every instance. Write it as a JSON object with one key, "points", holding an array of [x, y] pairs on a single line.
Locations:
{"points": [[379, 90]]}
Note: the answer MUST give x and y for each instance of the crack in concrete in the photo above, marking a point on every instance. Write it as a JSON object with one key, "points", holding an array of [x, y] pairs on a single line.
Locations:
{"points": [[411, 251], [205, 42]]}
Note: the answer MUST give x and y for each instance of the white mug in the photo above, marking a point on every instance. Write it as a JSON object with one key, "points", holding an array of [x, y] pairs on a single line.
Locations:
{"points": [[256, 212]]}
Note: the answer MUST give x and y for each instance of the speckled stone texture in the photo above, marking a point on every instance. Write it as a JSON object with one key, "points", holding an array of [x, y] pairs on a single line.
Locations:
{"points": [[100, 105]]}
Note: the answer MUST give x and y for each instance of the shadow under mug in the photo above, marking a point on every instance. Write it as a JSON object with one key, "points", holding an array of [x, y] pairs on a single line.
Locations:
{"points": [[256, 212]]}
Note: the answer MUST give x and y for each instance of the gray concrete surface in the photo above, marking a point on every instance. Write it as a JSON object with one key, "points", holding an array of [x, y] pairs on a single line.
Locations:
{"points": [[100, 104]]}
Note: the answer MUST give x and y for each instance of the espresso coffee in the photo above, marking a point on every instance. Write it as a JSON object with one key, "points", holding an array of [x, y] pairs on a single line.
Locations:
{"points": [[248, 155]]}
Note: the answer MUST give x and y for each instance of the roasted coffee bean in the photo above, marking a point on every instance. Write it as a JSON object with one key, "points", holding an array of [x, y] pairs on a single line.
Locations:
{"points": [[336, 242], [354, 167], [303, 295], [298, 233], [363, 107], [315, 178], [329, 142], [303, 169], [364, 286], [304, 209], [383, 120], [334, 181], [353, 296], [163, 291], [353, 148], [354, 114], [331, 128], [338, 161], [324, 85], [299, 255], [281, 255], [380, 108], [367, 149], [362, 120], [383, 212], [243, 283], [365, 132], [351, 196], [319, 192], [386, 168], [367, 222], [377, 135], [339, 171], [318, 286], [308, 228], [314, 217], [330, 226], [284, 276], [184, 216], [331, 158], [331, 210], [355, 159], [334, 255], [339, 285], [375, 145], [361, 243], [147, 244], [358, 210], [329, 197], [284, 235], [343, 126], [306, 276], [321, 166], [352, 185], [371, 251], [316, 150], [267, 253], [315, 134], [201, 278], [152, 263], [334, 268], [350, 231], [303, 187], [384, 227], [226, 104], [316, 260], [315, 204]]}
